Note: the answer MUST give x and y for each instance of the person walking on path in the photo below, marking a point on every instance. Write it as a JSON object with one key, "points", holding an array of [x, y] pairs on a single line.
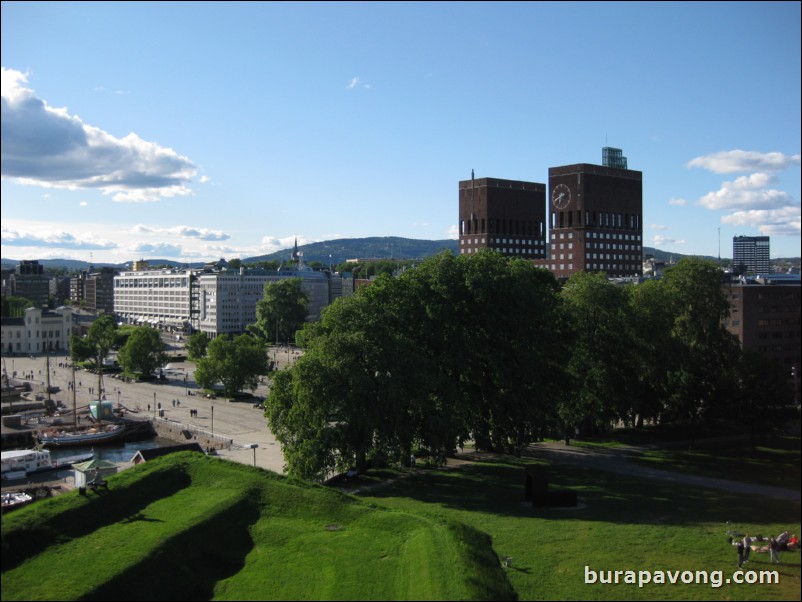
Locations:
{"points": [[747, 547]]}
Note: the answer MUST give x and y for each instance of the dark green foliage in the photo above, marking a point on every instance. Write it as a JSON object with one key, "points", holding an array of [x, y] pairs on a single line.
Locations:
{"points": [[425, 360], [281, 311], [486, 348], [197, 343], [143, 351], [14, 307], [237, 363]]}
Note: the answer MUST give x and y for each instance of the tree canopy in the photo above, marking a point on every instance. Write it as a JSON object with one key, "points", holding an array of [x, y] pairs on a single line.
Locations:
{"points": [[491, 349], [143, 351], [197, 343], [281, 311], [236, 363], [420, 363]]}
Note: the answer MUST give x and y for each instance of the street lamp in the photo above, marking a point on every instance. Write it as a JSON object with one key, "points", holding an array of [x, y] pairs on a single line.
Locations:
{"points": [[253, 446]]}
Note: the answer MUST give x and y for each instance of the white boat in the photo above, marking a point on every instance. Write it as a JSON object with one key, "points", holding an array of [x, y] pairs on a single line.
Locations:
{"points": [[18, 464], [15, 499]]}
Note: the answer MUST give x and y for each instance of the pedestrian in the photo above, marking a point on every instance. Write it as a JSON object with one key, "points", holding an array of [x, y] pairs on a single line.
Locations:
{"points": [[774, 557], [739, 546], [747, 547]]}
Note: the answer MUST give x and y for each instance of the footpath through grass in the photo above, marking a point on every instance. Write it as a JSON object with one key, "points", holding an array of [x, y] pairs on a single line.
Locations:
{"points": [[188, 527], [622, 523]]}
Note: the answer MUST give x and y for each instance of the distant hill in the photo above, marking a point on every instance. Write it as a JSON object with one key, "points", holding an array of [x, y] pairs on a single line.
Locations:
{"points": [[342, 249], [339, 250], [75, 265]]}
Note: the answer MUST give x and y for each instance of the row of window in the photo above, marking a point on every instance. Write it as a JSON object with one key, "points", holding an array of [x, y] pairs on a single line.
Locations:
{"points": [[152, 282], [603, 220], [508, 251], [600, 235], [503, 241], [501, 226]]}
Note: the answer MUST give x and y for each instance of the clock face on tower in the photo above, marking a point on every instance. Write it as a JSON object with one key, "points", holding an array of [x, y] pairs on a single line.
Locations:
{"points": [[561, 196]]}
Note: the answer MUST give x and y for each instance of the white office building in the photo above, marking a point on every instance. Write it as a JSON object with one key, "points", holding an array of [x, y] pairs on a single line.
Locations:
{"points": [[158, 298], [216, 300], [227, 299]]}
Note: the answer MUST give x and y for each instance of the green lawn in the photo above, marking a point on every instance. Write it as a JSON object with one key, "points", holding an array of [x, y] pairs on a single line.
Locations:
{"points": [[190, 527], [622, 524], [227, 531]]}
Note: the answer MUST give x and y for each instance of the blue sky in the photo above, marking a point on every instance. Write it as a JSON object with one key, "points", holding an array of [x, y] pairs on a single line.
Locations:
{"points": [[195, 131]]}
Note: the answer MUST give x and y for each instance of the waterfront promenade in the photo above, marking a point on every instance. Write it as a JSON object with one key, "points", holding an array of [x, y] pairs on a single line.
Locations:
{"points": [[238, 421]]}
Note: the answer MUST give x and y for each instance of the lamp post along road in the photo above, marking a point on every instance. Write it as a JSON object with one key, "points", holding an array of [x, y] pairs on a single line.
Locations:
{"points": [[253, 446]]}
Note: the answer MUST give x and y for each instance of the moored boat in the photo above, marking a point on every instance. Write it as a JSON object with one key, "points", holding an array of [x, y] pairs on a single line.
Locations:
{"points": [[93, 436], [15, 499], [18, 464]]}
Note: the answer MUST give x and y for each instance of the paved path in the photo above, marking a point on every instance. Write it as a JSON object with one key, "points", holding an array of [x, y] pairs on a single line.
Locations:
{"points": [[239, 421], [616, 460]]}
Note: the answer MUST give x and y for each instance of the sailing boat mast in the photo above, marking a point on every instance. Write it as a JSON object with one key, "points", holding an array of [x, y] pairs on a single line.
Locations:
{"points": [[7, 387], [74, 404], [47, 369], [99, 388]]}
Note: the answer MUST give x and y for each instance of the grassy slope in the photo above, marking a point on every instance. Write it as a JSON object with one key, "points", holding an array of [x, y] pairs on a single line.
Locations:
{"points": [[623, 524], [233, 532]]}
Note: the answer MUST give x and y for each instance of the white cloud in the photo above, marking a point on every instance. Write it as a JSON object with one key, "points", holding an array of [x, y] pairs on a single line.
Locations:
{"points": [[48, 147], [742, 161], [659, 240], [356, 82], [784, 221], [183, 231], [658, 227], [453, 232], [677, 202], [158, 250], [54, 239], [271, 244], [747, 192]]}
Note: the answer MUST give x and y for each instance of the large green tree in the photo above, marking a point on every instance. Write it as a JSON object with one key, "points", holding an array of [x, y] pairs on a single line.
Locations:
{"points": [[764, 404], [197, 344], [602, 364], [97, 343], [238, 363], [282, 310], [701, 376], [423, 361], [653, 348], [143, 351]]}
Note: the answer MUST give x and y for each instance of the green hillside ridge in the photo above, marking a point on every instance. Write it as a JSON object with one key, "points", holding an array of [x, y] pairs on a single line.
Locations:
{"points": [[338, 250], [189, 527]]}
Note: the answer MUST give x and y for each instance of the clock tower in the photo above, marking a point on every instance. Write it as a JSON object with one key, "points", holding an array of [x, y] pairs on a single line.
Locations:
{"points": [[595, 220]]}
